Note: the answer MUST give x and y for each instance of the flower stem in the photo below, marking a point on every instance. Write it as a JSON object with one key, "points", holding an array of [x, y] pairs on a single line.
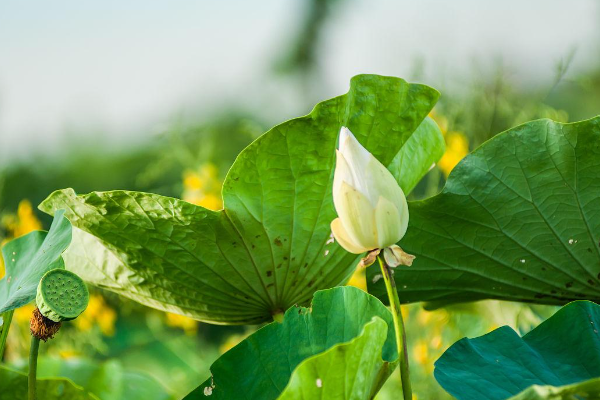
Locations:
{"points": [[33, 356], [390, 285], [6, 320]]}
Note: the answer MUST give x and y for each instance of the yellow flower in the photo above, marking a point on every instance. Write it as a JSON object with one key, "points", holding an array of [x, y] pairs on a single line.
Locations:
{"points": [[20, 224], [421, 353], [191, 180], [189, 326], [203, 187], [24, 222], [358, 279], [457, 147], [106, 321], [436, 341], [98, 313], [231, 342], [67, 354], [23, 314]]}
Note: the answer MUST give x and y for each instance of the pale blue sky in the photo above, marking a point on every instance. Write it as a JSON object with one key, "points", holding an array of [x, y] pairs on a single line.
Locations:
{"points": [[129, 66]]}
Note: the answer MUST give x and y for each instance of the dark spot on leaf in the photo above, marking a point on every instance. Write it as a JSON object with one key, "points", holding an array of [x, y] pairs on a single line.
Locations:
{"points": [[269, 273], [257, 236], [543, 268], [591, 282], [306, 266], [589, 250], [253, 246], [277, 242], [568, 284], [285, 258], [270, 285], [279, 266], [539, 296], [312, 282], [293, 258], [524, 278]]}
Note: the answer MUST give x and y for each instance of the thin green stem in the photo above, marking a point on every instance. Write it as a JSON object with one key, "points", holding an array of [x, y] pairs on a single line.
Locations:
{"points": [[390, 285], [33, 356], [6, 320]]}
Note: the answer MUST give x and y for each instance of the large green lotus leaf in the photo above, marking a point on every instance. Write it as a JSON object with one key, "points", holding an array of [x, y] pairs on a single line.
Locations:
{"points": [[107, 380], [346, 338], [563, 350], [13, 386], [270, 248], [28, 258], [353, 370], [587, 390], [424, 148], [519, 219]]}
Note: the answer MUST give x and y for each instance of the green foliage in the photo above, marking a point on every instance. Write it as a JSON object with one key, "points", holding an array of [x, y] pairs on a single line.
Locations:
{"points": [[564, 350], [108, 380], [28, 258], [587, 390], [343, 347], [422, 149], [269, 249], [519, 219], [13, 385]]}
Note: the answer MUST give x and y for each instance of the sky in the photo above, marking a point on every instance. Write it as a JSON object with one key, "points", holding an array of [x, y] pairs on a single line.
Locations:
{"points": [[116, 71]]}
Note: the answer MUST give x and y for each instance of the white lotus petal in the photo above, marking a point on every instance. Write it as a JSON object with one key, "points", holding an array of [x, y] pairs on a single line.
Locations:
{"points": [[344, 240], [342, 173], [357, 158], [357, 215], [389, 224]]}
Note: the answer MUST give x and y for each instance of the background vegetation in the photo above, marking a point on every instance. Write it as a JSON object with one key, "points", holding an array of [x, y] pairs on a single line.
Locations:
{"points": [[189, 159]]}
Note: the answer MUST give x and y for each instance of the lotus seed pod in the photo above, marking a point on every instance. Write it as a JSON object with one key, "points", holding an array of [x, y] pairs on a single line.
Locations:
{"points": [[61, 295]]}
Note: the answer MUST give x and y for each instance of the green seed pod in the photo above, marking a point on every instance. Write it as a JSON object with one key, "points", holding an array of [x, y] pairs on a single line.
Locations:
{"points": [[61, 295]]}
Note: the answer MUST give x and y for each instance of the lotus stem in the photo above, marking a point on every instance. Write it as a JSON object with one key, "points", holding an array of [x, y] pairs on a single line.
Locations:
{"points": [[6, 320], [33, 356], [390, 285]]}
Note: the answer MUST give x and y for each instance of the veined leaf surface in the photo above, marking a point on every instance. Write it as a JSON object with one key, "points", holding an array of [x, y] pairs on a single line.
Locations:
{"points": [[342, 348], [519, 219], [270, 248]]}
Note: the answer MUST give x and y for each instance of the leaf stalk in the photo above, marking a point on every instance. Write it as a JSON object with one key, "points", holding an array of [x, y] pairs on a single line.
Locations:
{"points": [[6, 320], [33, 357], [392, 291]]}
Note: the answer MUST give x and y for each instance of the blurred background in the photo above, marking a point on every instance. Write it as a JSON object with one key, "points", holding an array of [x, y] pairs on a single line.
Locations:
{"points": [[161, 97]]}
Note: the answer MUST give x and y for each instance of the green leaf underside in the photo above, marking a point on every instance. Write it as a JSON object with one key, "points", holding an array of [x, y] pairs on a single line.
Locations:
{"points": [[107, 380], [270, 249], [588, 390], [519, 219], [346, 326], [424, 148], [563, 350], [28, 258], [13, 385]]}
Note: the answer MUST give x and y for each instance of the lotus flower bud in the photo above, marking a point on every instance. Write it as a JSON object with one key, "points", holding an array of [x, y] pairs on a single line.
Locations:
{"points": [[371, 206]]}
